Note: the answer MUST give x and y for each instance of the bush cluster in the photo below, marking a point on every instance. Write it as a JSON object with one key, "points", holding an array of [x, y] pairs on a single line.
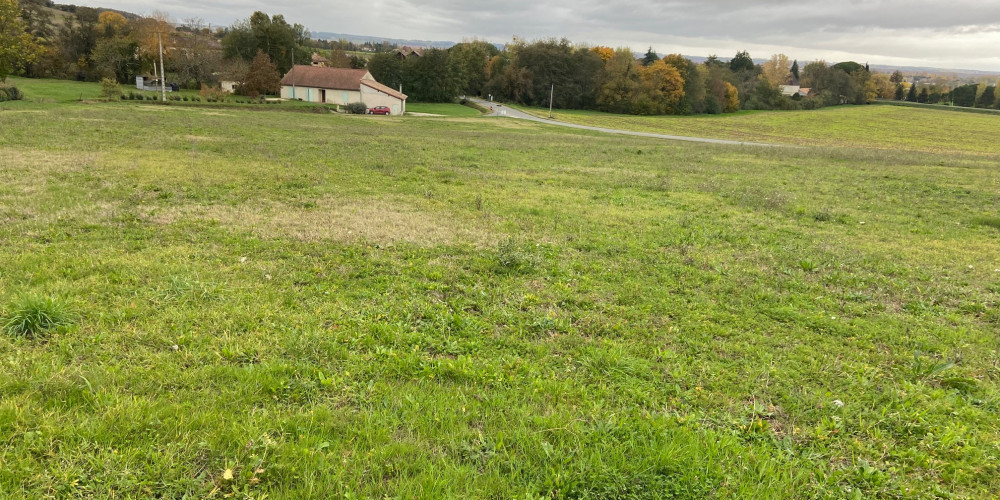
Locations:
{"points": [[10, 93], [356, 108]]}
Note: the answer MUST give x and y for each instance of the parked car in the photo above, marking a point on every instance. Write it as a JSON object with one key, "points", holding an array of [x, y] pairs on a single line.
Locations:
{"points": [[379, 110]]}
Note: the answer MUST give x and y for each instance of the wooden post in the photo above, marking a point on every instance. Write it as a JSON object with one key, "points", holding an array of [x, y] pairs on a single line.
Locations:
{"points": [[551, 93], [163, 73]]}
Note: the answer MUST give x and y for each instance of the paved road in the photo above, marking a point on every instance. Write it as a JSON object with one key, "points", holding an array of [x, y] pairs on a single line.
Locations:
{"points": [[507, 112]]}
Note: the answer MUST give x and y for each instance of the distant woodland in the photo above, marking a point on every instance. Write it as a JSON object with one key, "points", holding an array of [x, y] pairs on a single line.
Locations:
{"points": [[41, 39]]}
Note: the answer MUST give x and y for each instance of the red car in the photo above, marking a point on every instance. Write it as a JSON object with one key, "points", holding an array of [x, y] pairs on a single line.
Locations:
{"points": [[379, 110]]}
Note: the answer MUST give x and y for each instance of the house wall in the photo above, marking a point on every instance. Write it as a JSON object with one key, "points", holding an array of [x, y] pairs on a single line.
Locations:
{"points": [[372, 98], [313, 94]]}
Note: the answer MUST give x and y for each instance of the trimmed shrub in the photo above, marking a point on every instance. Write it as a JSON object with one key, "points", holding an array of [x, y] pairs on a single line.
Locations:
{"points": [[356, 108]]}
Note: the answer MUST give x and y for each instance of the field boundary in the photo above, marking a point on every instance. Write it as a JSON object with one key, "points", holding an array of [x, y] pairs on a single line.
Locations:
{"points": [[940, 107]]}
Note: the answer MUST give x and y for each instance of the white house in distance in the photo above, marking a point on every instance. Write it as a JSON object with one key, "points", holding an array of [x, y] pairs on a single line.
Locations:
{"points": [[340, 86], [791, 90]]}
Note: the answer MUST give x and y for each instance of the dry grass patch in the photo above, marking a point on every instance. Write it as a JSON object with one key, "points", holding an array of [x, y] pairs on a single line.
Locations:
{"points": [[205, 138], [18, 163], [374, 220]]}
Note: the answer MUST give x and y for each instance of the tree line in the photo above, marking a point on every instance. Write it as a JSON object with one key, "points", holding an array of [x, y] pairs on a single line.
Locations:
{"points": [[91, 44], [615, 80]]}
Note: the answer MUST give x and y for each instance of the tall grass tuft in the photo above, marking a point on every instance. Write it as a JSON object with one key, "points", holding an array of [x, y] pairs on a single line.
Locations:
{"points": [[511, 258], [31, 316], [988, 221]]}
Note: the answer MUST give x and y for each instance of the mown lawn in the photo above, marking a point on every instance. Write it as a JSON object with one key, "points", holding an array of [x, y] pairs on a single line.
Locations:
{"points": [[49, 91], [444, 109], [871, 127], [328, 306]]}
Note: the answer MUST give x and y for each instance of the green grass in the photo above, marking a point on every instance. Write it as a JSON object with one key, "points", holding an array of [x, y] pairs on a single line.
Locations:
{"points": [[872, 127], [55, 91], [49, 91], [332, 306], [942, 107], [443, 109], [32, 316]]}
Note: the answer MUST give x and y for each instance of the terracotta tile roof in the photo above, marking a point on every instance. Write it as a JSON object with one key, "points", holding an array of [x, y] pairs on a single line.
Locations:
{"points": [[407, 51], [382, 88], [316, 58], [325, 78]]}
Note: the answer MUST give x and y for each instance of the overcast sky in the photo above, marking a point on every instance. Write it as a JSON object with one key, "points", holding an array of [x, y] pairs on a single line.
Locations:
{"points": [[961, 34]]}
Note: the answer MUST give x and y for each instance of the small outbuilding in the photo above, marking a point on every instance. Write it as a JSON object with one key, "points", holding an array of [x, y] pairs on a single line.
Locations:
{"points": [[340, 86], [318, 60]]}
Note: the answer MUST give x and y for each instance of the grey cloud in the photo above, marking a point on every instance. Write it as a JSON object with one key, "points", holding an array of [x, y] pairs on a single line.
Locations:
{"points": [[893, 30]]}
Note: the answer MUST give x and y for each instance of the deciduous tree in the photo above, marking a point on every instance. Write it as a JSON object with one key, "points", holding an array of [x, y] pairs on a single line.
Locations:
{"points": [[195, 58], [431, 77], [605, 53], [470, 61], [693, 100], [387, 69], [282, 42], [732, 101], [149, 33], [619, 83], [776, 70], [661, 90], [17, 46], [261, 78]]}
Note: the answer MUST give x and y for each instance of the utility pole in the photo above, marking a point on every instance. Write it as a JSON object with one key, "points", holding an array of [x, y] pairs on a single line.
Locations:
{"points": [[163, 74], [551, 93]]}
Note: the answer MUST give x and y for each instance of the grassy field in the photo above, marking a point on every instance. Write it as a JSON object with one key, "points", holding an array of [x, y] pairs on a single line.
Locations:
{"points": [[444, 109], [871, 127], [230, 304], [50, 91]]}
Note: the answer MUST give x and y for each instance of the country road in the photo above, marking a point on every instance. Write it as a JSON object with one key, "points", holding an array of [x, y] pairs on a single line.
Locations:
{"points": [[508, 112]]}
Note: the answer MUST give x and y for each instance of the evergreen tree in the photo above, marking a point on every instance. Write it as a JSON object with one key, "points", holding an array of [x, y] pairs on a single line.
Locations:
{"points": [[741, 62], [795, 69], [987, 98], [900, 93], [912, 95], [964, 96], [924, 96], [650, 57], [897, 77], [713, 61]]}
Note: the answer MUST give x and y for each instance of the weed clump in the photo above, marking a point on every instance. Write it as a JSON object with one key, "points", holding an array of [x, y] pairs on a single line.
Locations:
{"points": [[511, 258], [32, 316]]}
